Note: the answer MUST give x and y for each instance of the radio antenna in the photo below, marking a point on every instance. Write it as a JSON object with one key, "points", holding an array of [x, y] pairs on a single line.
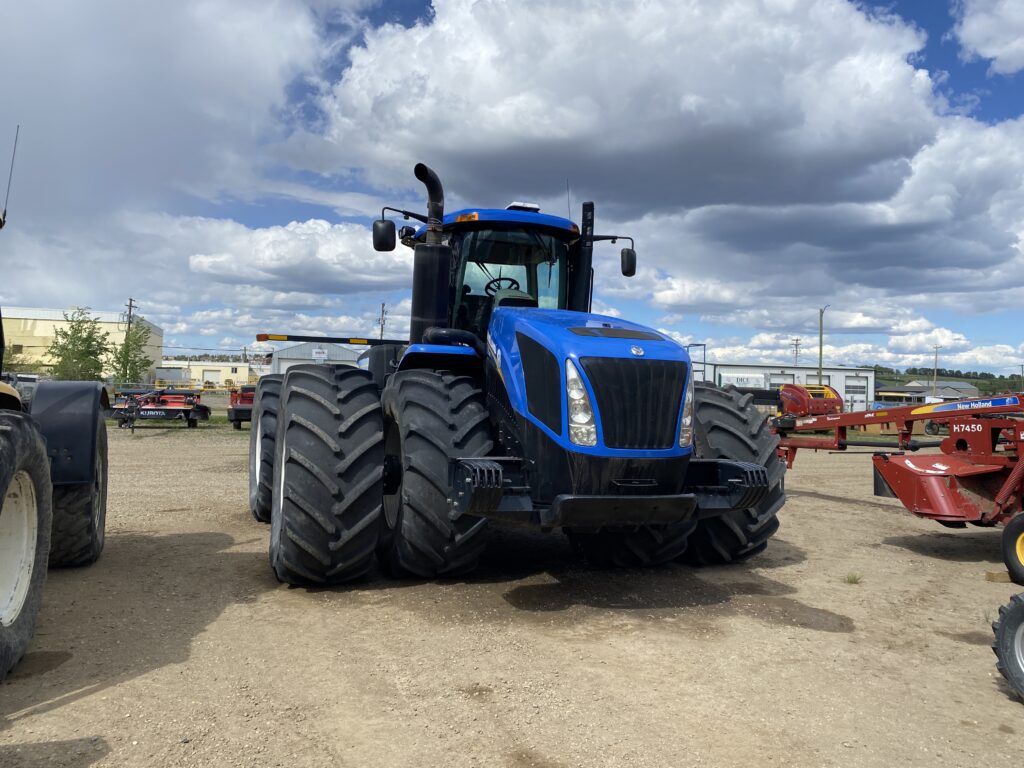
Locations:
{"points": [[568, 201], [10, 175]]}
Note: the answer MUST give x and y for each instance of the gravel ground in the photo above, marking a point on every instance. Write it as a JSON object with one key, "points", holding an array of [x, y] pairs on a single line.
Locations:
{"points": [[179, 648]]}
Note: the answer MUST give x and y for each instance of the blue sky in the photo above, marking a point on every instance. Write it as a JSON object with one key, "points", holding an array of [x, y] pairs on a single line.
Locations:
{"points": [[220, 161]]}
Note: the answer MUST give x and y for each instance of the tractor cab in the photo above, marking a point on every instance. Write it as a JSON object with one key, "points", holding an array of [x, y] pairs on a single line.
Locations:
{"points": [[496, 262]]}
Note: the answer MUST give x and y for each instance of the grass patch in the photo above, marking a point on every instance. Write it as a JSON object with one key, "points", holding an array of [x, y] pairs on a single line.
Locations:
{"points": [[853, 578]]}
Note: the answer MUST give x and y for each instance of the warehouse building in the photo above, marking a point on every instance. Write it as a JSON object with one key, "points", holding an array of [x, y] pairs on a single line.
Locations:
{"points": [[202, 374], [311, 352], [855, 385], [29, 332]]}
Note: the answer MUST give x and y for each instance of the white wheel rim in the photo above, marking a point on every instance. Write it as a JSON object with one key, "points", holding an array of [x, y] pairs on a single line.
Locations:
{"points": [[1018, 646], [18, 531], [279, 488]]}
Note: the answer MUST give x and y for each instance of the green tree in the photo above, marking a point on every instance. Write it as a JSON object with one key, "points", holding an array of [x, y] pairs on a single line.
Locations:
{"points": [[128, 359], [78, 351], [17, 362]]}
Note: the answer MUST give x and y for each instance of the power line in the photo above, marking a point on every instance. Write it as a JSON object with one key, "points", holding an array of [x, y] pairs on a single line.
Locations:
{"points": [[795, 343], [10, 175]]}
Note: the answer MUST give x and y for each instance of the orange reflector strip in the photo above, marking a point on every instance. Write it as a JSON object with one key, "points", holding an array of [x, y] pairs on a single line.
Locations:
{"points": [[358, 341]]}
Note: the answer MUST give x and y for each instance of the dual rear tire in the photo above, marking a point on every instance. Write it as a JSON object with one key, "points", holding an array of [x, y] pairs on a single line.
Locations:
{"points": [[328, 465], [262, 434], [331, 508]]}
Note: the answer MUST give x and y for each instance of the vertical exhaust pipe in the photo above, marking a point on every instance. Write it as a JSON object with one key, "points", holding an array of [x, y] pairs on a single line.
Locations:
{"points": [[435, 202], [431, 264]]}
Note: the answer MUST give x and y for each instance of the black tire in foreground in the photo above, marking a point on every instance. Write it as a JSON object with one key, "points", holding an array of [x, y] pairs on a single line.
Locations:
{"points": [[1012, 545], [25, 520], [729, 426], [80, 513], [431, 417], [634, 547], [1009, 643], [326, 510], [262, 434]]}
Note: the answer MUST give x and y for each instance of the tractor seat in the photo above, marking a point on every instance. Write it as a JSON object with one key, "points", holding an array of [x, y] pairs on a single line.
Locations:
{"points": [[507, 297]]}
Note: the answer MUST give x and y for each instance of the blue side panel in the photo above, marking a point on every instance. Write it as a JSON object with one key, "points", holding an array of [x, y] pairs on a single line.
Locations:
{"points": [[435, 356], [551, 328]]}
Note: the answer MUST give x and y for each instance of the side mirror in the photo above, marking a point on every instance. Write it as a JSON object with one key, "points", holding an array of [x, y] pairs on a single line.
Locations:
{"points": [[383, 235], [628, 262]]}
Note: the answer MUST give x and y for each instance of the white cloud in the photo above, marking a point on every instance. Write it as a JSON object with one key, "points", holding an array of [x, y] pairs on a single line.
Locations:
{"points": [[662, 104], [994, 30]]}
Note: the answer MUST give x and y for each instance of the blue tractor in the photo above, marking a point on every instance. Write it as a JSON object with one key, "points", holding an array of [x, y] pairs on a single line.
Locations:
{"points": [[510, 402]]}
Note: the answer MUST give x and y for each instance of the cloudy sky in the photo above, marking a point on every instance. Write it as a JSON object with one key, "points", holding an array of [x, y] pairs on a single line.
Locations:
{"points": [[220, 161]]}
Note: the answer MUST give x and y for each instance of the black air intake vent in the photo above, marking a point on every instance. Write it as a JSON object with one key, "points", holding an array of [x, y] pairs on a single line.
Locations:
{"points": [[543, 382], [638, 401]]}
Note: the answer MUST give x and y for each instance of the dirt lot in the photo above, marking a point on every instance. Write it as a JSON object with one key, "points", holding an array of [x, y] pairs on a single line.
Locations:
{"points": [[179, 648]]}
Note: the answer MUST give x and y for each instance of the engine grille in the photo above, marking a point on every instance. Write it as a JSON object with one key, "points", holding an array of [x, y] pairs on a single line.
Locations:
{"points": [[638, 401]]}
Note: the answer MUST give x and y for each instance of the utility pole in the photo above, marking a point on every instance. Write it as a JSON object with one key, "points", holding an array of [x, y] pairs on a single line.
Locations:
{"points": [[795, 343], [383, 318], [935, 372], [1021, 378], [821, 337], [132, 306]]}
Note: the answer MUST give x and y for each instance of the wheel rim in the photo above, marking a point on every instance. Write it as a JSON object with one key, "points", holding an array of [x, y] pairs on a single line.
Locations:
{"points": [[1020, 549], [99, 503], [19, 522], [1018, 646]]}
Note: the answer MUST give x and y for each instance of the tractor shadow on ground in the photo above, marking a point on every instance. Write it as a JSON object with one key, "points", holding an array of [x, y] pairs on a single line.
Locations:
{"points": [[136, 610], [848, 502], [574, 588], [75, 753], [968, 546]]}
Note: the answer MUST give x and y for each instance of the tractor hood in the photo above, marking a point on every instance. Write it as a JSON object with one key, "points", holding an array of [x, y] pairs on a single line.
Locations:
{"points": [[634, 375], [577, 334]]}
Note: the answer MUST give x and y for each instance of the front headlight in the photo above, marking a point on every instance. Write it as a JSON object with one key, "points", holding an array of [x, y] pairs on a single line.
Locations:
{"points": [[582, 429], [686, 427]]}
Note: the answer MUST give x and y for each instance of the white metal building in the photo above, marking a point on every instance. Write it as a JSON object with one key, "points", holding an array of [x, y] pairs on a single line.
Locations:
{"points": [[310, 352], [855, 385]]}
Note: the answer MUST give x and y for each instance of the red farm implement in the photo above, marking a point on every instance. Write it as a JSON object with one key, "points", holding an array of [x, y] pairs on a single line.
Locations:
{"points": [[240, 405], [131, 405], [977, 478]]}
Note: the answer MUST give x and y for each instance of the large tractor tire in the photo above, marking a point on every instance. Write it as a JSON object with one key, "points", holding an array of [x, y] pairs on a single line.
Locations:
{"points": [[262, 434], [432, 417], [80, 513], [326, 511], [1008, 645], [729, 426], [25, 520], [634, 547]]}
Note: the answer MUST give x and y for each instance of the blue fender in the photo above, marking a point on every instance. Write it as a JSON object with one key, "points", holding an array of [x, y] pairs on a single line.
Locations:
{"points": [[437, 357], [70, 414]]}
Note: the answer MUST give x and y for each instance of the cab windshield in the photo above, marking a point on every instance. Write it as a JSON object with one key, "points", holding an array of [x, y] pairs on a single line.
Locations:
{"points": [[509, 266]]}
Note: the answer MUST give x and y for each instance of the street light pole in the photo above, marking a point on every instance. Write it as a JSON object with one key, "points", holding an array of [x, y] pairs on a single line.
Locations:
{"points": [[821, 337], [935, 372]]}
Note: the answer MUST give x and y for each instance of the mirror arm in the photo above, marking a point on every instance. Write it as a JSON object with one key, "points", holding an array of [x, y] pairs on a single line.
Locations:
{"points": [[405, 214]]}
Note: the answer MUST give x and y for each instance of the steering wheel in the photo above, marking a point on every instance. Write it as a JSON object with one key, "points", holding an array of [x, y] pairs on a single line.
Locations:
{"points": [[494, 285]]}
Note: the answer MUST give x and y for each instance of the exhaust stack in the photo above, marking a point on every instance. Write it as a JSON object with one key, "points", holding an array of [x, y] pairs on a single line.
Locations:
{"points": [[431, 264]]}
